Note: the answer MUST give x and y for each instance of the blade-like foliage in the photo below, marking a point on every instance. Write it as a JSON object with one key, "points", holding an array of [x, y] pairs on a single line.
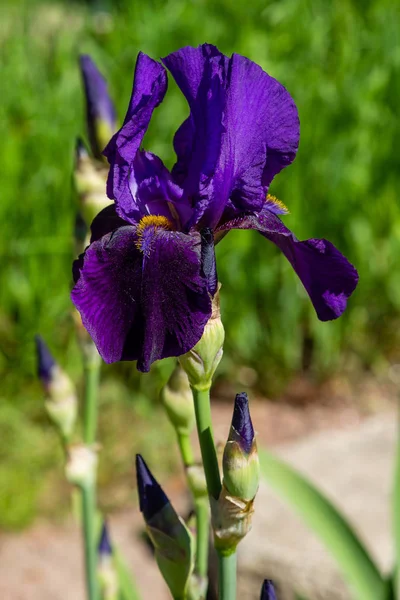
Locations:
{"points": [[329, 525]]}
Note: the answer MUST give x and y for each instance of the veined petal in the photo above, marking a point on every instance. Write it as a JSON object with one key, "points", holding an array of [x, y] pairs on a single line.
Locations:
{"points": [[328, 277], [243, 128], [142, 298], [149, 87], [175, 299], [107, 293]]}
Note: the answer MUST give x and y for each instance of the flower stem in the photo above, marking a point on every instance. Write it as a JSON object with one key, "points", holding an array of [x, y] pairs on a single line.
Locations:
{"points": [[92, 376], [88, 492], [227, 576], [226, 562], [201, 510], [89, 507], [206, 439]]}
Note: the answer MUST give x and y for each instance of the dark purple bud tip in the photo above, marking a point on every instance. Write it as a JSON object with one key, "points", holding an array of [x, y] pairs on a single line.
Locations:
{"points": [[268, 591], [151, 496], [241, 421], [208, 263], [45, 361], [104, 548]]}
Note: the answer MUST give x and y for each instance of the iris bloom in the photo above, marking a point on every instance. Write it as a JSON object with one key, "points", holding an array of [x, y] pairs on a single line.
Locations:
{"points": [[142, 287]]}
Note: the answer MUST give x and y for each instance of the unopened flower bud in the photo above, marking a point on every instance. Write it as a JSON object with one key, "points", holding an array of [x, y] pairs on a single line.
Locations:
{"points": [[61, 399], [90, 178], [108, 578], [172, 541], [201, 362], [100, 111], [232, 512], [268, 590], [240, 462], [81, 465], [177, 399]]}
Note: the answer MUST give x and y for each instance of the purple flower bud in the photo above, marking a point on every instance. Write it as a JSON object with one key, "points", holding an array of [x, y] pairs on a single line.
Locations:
{"points": [[208, 263], [45, 361], [241, 422], [100, 111], [268, 591], [104, 548], [151, 496]]}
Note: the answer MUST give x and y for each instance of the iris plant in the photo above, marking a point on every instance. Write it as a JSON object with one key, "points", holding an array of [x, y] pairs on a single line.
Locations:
{"points": [[140, 286]]}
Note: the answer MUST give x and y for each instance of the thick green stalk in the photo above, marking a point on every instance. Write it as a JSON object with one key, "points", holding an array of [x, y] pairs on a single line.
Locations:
{"points": [[92, 376], [396, 513], [226, 562], [201, 509], [206, 439], [227, 576], [88, 492]]}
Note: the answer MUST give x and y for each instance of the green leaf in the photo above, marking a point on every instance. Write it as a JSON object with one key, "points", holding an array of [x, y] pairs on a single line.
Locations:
{"points": [[127, 585], [329, 525]]}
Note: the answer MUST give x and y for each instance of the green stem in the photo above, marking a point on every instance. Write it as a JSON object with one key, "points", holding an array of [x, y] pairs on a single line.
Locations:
{"points": [[92, 375], [206, 439], [89, 533], [203, 529], [396, 513], [200, 506], [226, 576]]}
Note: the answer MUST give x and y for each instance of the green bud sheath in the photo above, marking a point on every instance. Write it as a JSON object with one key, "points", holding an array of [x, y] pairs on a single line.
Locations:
{"points": [[241, 471], [177, 399], [201, 362]]}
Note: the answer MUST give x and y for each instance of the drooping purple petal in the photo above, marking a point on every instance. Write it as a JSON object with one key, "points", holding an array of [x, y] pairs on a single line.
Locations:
{"points": [[328, 277], [142, 297], [107, 292], [175, 299], [100, 112], [242, 130], [149, 87]]}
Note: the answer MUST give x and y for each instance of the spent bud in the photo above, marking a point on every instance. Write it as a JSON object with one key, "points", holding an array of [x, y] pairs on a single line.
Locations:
{"points": [[61, 399]]}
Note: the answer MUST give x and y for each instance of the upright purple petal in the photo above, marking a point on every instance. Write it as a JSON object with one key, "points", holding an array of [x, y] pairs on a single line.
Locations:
{"points": [[328, 277], [100, 112], [149, 87], [243, 128], [141, 294]]}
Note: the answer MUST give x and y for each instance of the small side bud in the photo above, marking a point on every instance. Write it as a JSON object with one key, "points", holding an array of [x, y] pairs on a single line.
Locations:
{"points": [[232, 513], [61, 400], [90, 178], [201, 362], [268, 591], [208, 262], [81, 465], [177, 399], [172, 541], [100, 112], [108, 578]]}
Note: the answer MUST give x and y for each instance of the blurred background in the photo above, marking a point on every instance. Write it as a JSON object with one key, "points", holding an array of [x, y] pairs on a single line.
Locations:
{"points": [[340, 62]]}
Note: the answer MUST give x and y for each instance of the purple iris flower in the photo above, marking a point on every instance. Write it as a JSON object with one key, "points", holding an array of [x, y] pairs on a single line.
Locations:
{"points": [[144, 284]]}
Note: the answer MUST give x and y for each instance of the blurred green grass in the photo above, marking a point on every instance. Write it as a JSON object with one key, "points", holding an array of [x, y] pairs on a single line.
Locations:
{"points": [[340, 61]]}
